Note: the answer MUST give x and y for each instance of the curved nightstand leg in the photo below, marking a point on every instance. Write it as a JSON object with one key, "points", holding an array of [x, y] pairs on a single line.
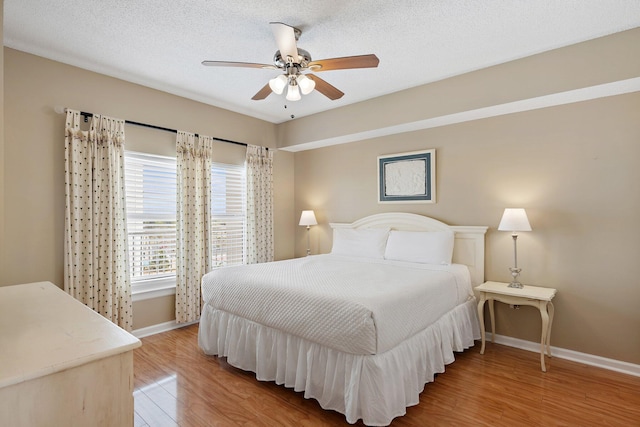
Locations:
{"points": [[493, 320], [481, 318], [551, 312], [545, 328]]}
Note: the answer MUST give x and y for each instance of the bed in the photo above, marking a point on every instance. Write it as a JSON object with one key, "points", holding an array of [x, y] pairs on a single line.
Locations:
{"points": [[362, 329]]}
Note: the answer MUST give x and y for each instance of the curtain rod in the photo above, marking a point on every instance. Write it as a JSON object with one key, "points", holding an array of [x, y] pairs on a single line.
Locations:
{"points": [[129, 122]]}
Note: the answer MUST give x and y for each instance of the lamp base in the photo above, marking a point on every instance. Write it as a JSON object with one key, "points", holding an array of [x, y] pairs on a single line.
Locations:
{"points": [[515, 272]]}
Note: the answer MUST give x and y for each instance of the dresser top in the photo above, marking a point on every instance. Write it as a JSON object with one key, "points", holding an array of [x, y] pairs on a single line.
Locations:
{"points": [[44, 330]]}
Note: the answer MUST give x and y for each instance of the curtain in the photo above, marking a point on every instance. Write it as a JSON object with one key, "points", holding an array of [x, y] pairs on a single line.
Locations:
{"points": [[259, 236], [96, 250], [193, 222]]}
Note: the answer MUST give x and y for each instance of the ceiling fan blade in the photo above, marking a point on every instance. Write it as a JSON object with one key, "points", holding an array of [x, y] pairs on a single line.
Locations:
{"points": [[286, 40], [325, 88], [262, 93], [359, 61], [238, 64]]}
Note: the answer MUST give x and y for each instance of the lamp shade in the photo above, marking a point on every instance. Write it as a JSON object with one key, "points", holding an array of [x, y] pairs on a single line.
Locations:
{"points": [[293, 93], [278, 84], [308, 218], [514, 219], [306, 84]]}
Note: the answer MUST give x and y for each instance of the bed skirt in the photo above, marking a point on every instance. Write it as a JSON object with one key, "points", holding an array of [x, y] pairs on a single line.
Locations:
{"points": [[375, 388]]}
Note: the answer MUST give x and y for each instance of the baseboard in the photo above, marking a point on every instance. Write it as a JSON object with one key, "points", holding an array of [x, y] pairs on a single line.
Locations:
{"points": [[576, 356], [160, 327]]}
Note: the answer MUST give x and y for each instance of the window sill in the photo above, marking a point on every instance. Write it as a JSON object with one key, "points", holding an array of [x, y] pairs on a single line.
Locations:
{"points": [[154, 288]]}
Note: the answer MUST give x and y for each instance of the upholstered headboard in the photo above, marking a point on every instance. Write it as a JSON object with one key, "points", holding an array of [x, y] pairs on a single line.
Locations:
{"points": [[468, 248]]}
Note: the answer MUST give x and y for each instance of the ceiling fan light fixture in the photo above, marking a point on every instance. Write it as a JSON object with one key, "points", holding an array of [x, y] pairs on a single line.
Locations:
{"points": [[306, 84], [277, 84], [292, 61], [293, 94]]}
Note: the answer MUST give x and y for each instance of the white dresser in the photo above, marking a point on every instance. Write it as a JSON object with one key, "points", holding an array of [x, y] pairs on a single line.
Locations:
{"points": [[61, 364]]}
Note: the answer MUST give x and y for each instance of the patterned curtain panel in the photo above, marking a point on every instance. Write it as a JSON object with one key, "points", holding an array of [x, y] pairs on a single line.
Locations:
{"points": [[259, 237], [193, 222], [96, 249]]}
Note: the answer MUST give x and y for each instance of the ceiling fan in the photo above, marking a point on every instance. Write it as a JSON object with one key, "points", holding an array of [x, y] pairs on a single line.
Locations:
{"points": [[294, 61]]}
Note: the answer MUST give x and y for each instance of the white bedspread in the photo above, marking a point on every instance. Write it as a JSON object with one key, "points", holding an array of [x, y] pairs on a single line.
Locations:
{"points": [[354, 305]]}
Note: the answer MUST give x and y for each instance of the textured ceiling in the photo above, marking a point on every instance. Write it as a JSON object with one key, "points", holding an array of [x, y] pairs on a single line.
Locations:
{"points": [[161, 43]]}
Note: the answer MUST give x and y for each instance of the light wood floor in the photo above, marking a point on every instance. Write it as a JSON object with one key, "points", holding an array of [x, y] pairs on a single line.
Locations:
{"points": [[177, 385]]}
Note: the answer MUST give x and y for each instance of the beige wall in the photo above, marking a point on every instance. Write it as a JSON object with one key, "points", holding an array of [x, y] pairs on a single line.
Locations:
{"points": [[34, 158], [573, 167], [2, 238], [154, 311]]}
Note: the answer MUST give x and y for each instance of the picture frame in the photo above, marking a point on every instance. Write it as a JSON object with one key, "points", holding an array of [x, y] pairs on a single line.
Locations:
{"points": [[407, 177]]}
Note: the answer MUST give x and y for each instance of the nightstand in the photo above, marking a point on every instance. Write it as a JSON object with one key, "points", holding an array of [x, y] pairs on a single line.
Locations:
{"points": [[534, 296]]}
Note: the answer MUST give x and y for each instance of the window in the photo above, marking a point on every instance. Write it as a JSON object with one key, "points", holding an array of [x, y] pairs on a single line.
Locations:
{"points": [[151, 216], [228, 207]]}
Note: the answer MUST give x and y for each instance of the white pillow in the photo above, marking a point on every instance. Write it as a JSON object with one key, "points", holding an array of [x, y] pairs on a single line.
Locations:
{"points": [[426, 247], [369, 242]]}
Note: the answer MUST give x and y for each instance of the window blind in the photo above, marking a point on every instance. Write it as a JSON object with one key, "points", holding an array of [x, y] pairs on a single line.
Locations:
{"points": [[228, 208], [151, 215]]}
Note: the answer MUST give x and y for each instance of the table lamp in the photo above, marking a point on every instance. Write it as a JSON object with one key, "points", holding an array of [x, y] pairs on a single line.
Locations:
{"points": [[514, 219], [308, 218]]}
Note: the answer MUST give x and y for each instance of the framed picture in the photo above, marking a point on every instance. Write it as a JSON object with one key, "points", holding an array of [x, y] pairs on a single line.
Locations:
{"points": [[407, 177]]}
